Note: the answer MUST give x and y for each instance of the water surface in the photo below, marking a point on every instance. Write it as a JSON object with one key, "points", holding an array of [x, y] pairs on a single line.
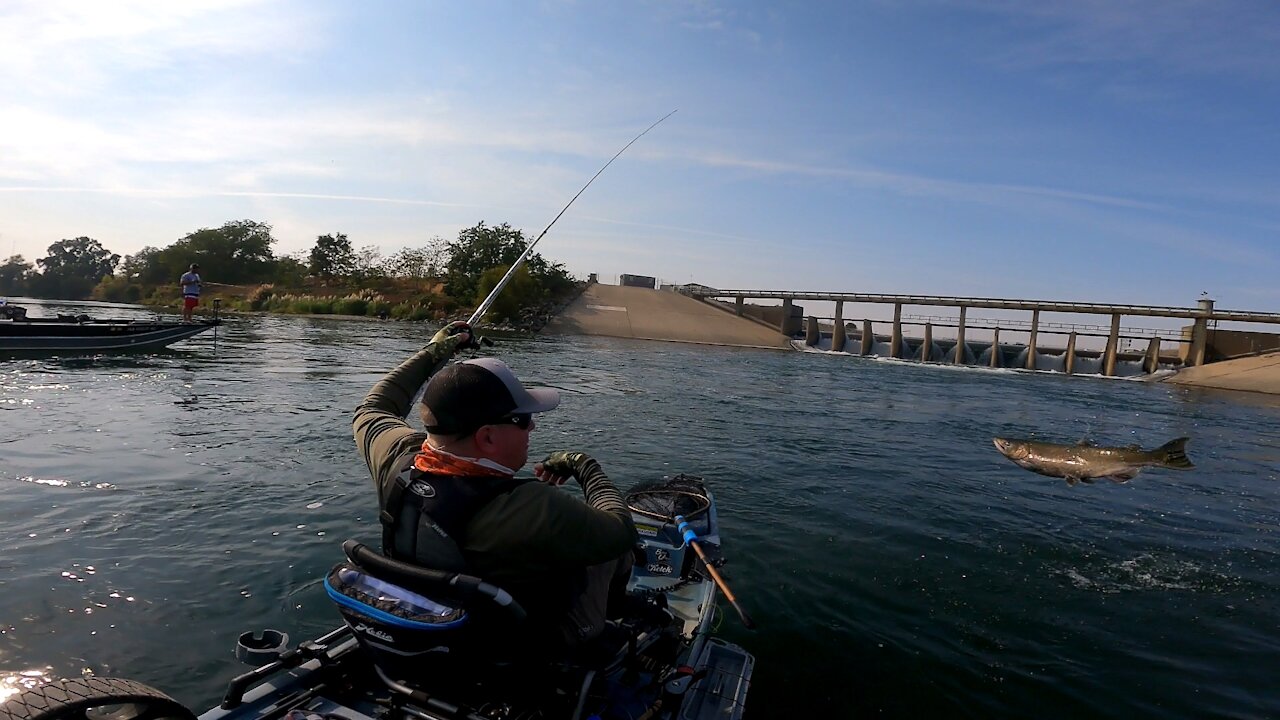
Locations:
{"points": [[155, 506]]}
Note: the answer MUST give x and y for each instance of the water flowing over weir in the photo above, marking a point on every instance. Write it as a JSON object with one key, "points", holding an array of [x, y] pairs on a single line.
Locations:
{"points": [[1012, 357]]}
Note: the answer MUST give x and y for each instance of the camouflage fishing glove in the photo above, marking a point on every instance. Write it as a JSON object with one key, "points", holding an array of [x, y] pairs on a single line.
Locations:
{"points": [[596, 488], [448, 339]]}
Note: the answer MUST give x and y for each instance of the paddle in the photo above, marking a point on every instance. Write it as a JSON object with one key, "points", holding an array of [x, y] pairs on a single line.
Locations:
{"points": [[692, 538]]}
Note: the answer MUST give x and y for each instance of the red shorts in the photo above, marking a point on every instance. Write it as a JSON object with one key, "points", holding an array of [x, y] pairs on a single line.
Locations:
{"points": [[189, 302]]}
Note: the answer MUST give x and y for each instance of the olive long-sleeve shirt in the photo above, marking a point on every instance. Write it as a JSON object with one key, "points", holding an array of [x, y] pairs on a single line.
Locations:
{"points": [[533, 532]]}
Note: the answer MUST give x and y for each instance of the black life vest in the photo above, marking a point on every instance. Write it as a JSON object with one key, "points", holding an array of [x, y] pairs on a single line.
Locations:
{"points": [[424, 516]]}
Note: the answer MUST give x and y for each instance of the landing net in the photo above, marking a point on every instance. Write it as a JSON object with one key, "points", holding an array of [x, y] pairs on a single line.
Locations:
{"points": [[664, 499]]}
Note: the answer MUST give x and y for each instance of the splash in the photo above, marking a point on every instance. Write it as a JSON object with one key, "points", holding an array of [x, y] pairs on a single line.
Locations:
{"points": [[58, 482], [1147, 572]]}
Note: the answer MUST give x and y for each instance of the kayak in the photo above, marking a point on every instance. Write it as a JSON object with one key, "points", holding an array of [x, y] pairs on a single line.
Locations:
{"points": [[423, 644]]}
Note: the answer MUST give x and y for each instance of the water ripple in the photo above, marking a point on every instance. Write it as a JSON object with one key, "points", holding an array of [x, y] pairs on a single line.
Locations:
{"points": [[897, 565]]}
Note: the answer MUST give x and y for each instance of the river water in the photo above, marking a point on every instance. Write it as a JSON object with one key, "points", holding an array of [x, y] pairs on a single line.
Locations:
{"points": [[154, 507]]}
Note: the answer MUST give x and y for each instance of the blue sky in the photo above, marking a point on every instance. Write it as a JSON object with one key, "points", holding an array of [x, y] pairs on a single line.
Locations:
{"points": [[1088, 150]]}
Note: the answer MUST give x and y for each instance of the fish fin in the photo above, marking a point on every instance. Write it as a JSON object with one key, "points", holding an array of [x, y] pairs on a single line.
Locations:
{"points": [[1071, 480], [1086, 443], [1123, 477], [1086, 480], [1174, 454]]}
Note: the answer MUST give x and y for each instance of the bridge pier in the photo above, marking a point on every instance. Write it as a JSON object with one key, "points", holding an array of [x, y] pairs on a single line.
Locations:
{"points": [[1200, 334], [1069, 365], [1152, 362], [1113, 346], [896, 350], [786, 317], [811, 333], [926, 349], [1031, 344], [868, 338], [959, 356], [737, 306], [837, 332], [996, 360]]}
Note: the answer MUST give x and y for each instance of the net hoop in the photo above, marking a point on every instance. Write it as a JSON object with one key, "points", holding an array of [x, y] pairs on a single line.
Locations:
{"points": [[665, 503]]}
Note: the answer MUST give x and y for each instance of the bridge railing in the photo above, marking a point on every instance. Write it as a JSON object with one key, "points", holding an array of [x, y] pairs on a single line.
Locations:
{"points": [[1046, 328]]}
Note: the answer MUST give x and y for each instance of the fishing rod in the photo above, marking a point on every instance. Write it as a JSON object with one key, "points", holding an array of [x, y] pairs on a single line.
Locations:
{"points": [[691, 538], [493, 294]]}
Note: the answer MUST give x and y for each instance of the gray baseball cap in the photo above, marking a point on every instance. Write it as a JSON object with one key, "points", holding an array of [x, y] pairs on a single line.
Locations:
{"points": [[467, 395]]}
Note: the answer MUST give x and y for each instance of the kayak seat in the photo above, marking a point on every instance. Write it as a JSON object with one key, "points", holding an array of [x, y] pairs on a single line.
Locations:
{"points": [[432, 633], [416, 618]]}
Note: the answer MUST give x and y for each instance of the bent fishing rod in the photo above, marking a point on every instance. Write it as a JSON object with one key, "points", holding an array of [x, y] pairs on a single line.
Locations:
{"points": [[484, 306]]}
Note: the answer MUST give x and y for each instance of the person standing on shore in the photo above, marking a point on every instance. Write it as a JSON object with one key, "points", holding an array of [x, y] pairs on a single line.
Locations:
{"points": [[190, 291]]}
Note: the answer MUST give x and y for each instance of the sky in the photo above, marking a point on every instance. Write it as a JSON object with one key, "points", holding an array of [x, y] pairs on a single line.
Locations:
{"points": [[1090, 150]]}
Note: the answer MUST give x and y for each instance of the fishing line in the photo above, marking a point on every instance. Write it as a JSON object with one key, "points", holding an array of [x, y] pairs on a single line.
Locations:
{"points": [[488, 301]]}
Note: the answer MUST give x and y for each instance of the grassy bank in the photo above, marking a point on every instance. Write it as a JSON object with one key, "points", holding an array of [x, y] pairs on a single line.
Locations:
{"points": [[398, 300], [411, 301]]}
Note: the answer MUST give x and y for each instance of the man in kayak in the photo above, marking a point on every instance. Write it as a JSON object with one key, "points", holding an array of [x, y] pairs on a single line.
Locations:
{"points": [[449, 498]]}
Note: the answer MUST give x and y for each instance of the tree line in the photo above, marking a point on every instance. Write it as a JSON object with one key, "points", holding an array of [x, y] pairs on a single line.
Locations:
{"points": [[240, 253]]}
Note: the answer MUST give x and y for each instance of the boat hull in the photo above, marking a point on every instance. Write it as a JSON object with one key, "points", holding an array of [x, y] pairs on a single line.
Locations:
{"points": [[94, 336]]}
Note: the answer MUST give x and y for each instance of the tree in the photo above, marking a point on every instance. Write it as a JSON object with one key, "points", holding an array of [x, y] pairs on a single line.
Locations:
{"points": [[73, 267], [368, 262], [421, 263], [476, 250], [479, 249], [332, 256], [520, 292], [14, 274], [117, 288], [144, 266], [554, 280], [237, 252], [291, 270]]}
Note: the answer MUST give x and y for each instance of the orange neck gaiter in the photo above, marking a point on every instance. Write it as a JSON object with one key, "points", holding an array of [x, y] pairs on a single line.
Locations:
{"points": [[440, 462]]}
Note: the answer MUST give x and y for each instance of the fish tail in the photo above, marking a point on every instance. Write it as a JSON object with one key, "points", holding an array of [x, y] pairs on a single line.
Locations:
{"points": [[1173, 454]]}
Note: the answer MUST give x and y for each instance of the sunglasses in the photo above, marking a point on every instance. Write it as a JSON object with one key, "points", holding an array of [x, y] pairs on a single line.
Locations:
{"points": [[520, 420]]}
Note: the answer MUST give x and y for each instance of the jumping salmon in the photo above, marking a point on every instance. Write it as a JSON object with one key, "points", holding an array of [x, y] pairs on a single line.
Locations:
{"points": [[1085, 461]]}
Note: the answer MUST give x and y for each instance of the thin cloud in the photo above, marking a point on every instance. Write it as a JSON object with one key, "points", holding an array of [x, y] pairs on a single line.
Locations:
{"points": [[190, 193], [907, 184], [145, 33]]}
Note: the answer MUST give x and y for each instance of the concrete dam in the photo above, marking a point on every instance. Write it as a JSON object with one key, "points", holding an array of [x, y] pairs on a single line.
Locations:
{"points": [[1242, 359]]}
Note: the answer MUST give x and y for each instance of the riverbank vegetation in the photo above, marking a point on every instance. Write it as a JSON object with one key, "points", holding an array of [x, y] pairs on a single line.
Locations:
{"points": [[442, 279]]}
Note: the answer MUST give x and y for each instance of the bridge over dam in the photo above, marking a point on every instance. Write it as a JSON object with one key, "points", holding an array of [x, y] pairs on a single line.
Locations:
{"points": [[1213, 335], [700, 314]]}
